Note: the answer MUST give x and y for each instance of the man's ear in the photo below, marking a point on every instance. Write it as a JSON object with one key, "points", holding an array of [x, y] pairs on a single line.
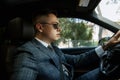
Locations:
{"points": [[39, 27]]}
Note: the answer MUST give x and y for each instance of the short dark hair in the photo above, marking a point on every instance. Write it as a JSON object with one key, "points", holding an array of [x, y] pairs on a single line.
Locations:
{"points": [[42, 13]]}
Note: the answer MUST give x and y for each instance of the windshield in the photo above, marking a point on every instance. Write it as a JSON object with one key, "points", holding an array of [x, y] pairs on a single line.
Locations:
{"points": [[109, 9]]}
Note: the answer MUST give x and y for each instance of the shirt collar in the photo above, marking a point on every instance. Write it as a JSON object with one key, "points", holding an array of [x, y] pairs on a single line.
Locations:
{"points": [[42, 42]]}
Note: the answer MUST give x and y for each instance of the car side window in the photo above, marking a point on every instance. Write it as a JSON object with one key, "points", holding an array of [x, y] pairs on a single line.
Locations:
{"points": [[80, 33]]}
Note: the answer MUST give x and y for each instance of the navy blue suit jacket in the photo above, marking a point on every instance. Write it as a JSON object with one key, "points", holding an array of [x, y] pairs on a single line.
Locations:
{"points": [[33, 61]]}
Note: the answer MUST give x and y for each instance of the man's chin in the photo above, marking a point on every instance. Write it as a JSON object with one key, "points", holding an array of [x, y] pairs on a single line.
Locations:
{"points": [[57, 38]]}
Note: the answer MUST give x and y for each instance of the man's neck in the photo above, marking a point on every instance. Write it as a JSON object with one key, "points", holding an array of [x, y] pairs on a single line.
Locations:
{"points": [[42, 42], [43, 39]]}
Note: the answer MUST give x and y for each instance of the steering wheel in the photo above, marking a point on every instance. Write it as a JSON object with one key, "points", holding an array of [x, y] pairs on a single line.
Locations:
{"points": [[107, 65]]}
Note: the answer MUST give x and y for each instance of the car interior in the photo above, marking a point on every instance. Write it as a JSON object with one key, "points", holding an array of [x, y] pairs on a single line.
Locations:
{"points": [[17, 28]]}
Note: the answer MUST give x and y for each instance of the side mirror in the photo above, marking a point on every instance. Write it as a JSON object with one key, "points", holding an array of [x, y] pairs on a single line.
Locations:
{"points": [[102, 41]]}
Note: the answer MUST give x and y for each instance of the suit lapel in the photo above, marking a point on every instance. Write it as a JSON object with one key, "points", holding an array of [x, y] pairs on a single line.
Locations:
{"points": [[46, 51], [60, 54]]}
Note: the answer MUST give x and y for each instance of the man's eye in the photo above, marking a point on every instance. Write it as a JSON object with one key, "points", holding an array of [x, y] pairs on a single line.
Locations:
{"points": [[56, 26]]}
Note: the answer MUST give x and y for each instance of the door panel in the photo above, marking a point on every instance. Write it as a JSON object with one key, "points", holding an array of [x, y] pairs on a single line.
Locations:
{"points": [[75, 51]]}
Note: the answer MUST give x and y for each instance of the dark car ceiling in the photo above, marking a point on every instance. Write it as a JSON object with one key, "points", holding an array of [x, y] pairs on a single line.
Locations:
{"points": [[25, 8]]}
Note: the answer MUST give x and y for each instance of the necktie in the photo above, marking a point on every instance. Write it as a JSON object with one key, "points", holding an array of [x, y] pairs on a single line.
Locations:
{"points": [[50, 48], [65, 70]]}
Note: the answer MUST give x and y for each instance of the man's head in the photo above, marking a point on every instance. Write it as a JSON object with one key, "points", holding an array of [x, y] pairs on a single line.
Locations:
{"points": [[47, 26]]}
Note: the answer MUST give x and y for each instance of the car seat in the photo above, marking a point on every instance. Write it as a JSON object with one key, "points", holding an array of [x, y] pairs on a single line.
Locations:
{"points": [[17, 32]]}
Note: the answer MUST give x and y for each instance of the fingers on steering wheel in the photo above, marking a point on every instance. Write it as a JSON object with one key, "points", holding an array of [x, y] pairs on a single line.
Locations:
{"points": [[117, 35]]}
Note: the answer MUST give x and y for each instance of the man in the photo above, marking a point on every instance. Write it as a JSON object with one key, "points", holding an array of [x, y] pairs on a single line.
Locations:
{"points": [[38, 59]]}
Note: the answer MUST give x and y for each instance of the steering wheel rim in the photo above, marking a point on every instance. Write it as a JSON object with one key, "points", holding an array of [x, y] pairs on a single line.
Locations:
{"points": [[105, 66]]}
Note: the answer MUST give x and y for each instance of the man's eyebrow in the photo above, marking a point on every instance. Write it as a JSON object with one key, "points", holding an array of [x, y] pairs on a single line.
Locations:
{"points": [[56, 22]]}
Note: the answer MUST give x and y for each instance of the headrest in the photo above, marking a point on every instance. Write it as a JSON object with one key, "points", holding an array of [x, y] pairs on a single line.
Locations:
{"points": [[19, 29]]}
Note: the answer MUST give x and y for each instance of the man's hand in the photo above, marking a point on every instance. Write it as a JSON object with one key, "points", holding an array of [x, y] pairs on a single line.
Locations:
{"points": [[113, 41]]}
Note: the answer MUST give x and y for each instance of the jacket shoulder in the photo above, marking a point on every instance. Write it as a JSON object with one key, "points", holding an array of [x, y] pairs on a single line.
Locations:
{"points": [[26, 47]]}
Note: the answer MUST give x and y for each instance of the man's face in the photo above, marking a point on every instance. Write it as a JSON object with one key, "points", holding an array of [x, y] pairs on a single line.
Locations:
{"points": [[50, 28]]}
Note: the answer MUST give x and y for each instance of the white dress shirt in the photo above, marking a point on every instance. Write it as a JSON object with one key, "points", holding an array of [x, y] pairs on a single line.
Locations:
{"points": [[99, 50]]}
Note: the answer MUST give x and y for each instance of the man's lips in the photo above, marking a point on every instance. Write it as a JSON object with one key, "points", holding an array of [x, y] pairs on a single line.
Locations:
{"points": [[58, 34]]}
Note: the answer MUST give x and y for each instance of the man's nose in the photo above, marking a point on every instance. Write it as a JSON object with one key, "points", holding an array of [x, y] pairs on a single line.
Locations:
{"points": [[59, 29]]}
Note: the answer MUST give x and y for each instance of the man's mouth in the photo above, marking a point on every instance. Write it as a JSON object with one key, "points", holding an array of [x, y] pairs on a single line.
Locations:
{"points": [[58, 34]]}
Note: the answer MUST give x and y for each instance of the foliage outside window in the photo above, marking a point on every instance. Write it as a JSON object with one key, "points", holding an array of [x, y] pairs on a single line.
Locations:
{"points": [[78, 33]]}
